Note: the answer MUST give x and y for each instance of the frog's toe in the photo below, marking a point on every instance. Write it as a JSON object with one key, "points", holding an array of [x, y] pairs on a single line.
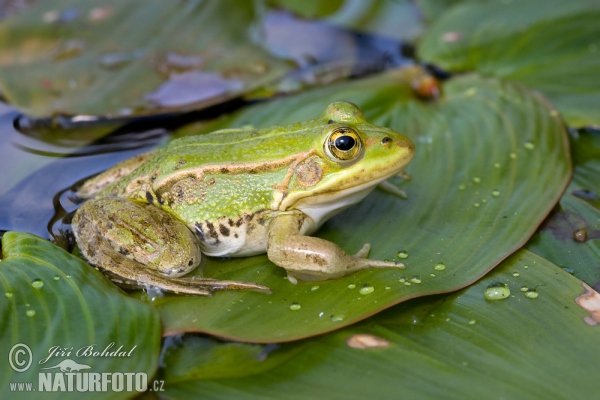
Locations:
{"points": [[364, 252], [214, 285]]}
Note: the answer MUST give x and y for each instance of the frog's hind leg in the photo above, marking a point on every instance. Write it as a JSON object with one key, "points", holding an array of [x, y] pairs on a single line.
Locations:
{"points": [[185, 285], [137, 244]]}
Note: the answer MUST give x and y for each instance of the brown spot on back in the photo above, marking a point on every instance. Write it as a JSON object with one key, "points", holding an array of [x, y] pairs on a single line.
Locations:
{"points": [[212, 232], [224, 230]]}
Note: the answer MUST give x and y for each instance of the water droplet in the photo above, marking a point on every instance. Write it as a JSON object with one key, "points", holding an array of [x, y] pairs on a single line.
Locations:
{"points": [[497, 165], [337, 318], [432, 275], [37, 283], [461, 187], [415, 279], [580, 235], [472, 322], [402, 254], [529, 145], [526, 266], [477, 180], [531, 294], [112, 61], [68, 276], [524, 289], [312, 289], [30, 313], [366, 289], [496, 193], [388, 287], [496, 291], [476, 205], [407, 283], [439, 266], [402, 279], [515, 274], [295, 306], [56, 277], [70, 48], [321, 314], [513, 155], [484, 201], [351, 286], [8, 295], [569, 270]]}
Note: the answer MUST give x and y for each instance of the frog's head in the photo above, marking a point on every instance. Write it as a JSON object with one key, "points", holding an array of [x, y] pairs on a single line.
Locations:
{"points": [[349, 158]]}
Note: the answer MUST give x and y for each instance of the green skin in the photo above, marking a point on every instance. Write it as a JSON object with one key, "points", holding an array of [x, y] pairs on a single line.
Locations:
{"points": [[236, 193]]}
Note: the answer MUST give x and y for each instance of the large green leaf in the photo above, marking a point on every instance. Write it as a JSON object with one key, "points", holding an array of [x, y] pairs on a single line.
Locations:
{"points": [[51, 298], [119, 58], [570, 237], [459, 346], [552, 46], [491, 162]]}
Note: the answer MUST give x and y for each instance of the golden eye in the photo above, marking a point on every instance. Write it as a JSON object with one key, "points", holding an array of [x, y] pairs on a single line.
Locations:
{"points": [[343, 144]]}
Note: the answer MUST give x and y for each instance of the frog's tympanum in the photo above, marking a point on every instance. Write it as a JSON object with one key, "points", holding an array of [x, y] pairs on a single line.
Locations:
{"points": [[236, 193]]}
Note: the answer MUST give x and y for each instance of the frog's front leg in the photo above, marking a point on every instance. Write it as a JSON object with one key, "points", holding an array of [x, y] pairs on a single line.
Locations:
{"points": [[311, 258], [138, 244]]}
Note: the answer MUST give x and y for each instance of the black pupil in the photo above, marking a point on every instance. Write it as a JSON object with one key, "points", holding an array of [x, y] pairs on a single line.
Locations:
{"points": [[345, 143]]}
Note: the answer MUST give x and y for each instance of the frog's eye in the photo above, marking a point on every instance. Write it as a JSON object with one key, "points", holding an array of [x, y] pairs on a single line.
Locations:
{"points": [[343, 144]]}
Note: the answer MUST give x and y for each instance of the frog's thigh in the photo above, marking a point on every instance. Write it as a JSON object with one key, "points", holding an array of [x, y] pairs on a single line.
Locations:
{"points": [[123, 236], [311, 258]]}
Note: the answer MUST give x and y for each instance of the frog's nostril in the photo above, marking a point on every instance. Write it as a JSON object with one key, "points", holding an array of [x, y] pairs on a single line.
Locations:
{"points": [[386, 140]]}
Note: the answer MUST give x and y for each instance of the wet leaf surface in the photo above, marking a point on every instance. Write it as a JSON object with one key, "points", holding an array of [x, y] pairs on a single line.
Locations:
{"points": [[50, 298], [449, 346], [491, 162]]}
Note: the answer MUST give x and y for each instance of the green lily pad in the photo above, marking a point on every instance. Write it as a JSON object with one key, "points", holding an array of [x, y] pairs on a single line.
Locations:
{"points": [[491, 162], [553, 47], [454, 346], [570, 237], [123, 58], [52, 303]]}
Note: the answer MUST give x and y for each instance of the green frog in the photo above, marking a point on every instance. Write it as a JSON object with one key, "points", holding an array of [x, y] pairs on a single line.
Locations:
{"points": [[237, 193]]}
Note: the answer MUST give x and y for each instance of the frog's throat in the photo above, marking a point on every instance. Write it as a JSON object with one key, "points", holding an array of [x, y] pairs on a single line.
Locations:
{"points": [[325, 205]]}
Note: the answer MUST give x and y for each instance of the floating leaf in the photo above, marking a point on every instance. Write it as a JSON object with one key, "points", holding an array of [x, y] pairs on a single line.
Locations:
{"points": [[50, 299], [455, 346], [553, 47], [491, 162]]}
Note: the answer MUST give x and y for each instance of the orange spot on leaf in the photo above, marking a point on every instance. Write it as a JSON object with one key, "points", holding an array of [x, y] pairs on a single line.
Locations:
{"points": [[590, 302]]}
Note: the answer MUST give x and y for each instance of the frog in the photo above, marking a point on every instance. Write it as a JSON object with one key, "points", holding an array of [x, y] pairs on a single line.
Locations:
{"points": [[151, 220]]}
